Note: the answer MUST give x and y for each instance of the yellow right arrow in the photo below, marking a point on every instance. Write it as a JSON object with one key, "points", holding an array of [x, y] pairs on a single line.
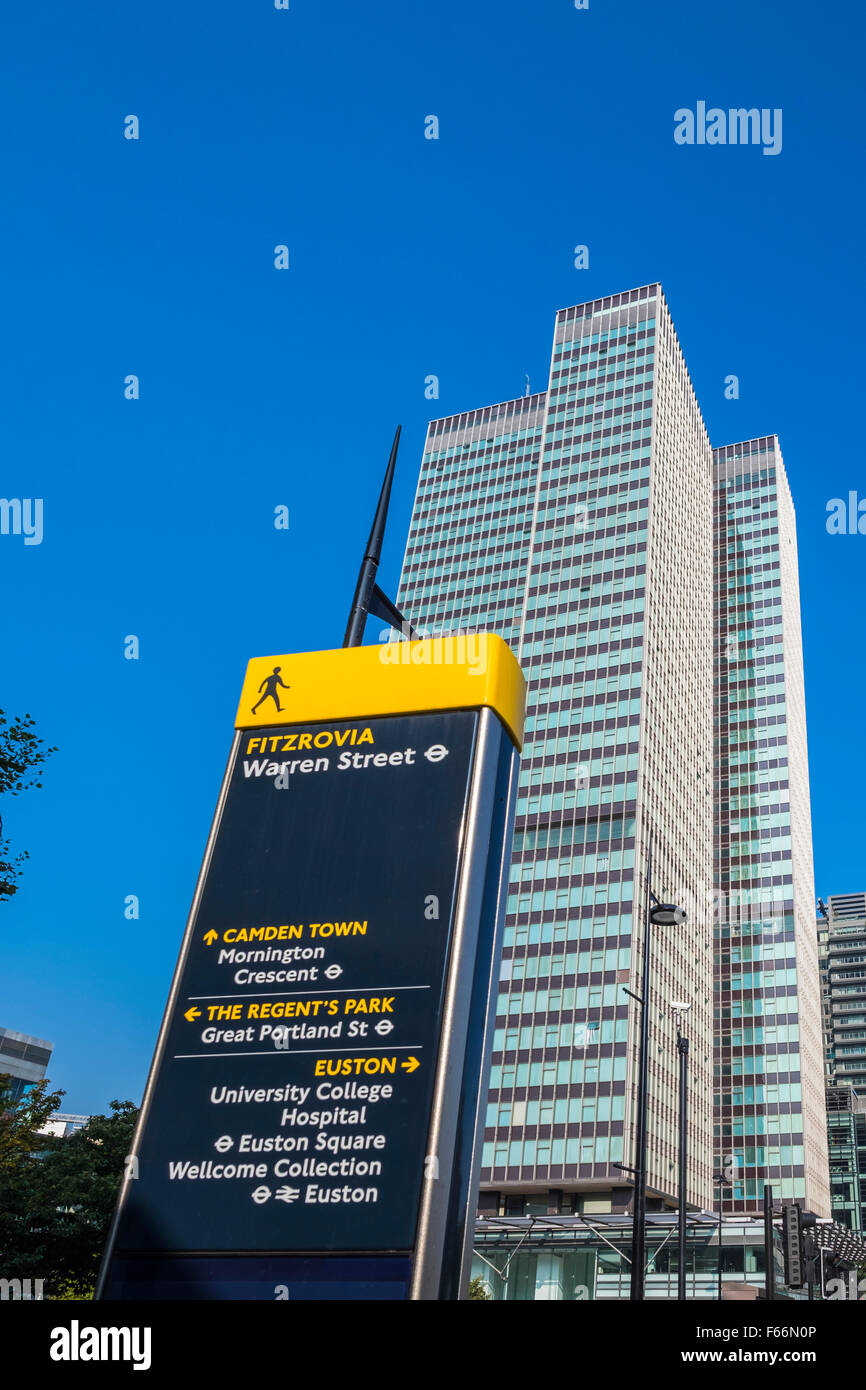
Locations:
{"points": [[411, 1065]]}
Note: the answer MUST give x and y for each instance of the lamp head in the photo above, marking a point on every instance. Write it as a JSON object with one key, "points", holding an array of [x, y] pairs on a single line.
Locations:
{"points": [[667, 915]]}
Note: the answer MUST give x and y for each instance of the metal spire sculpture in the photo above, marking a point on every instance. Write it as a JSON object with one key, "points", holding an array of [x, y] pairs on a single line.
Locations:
{"points": [[368, 596]]}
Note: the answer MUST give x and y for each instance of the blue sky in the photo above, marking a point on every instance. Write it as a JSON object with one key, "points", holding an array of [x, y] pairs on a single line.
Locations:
{"points": [[260, 387]]}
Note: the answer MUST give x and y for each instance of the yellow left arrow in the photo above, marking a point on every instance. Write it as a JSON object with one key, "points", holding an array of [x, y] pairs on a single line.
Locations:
{"points": [[192, 1014]]}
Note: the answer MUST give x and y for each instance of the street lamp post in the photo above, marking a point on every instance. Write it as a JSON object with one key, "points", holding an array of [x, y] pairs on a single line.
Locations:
{"points": [[769, 1266], [680, 1009], [809, 1227], [721, 1180], [660, 915]]}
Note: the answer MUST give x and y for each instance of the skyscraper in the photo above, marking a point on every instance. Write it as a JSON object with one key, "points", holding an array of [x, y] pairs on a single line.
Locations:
{"points": [[770, 1105], [578, 524]]}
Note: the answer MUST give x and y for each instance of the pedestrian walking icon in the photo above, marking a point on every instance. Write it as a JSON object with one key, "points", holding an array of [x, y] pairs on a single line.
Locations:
{"points": [[269, 686]]}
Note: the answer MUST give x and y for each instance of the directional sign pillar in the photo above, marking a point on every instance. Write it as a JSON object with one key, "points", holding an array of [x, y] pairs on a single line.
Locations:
{"points": [[310, 1122]]}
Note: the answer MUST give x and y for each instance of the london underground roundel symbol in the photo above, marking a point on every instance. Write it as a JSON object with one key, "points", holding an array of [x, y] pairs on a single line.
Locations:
{"points": [[436, 752]]}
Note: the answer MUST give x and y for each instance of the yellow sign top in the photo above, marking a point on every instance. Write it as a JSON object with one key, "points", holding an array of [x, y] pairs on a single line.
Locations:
{"points": [[462, 671]]}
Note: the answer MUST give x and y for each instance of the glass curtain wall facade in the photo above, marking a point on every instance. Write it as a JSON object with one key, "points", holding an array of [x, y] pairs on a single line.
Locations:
{"points": [[538, 1260], [577, 523], [567, 1258], [770, 1108], [846, 1136]]}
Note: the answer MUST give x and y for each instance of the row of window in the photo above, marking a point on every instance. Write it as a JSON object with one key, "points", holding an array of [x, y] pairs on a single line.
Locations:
{"points": [[765, 1063], [625, 330], [754, 1124], [564, 1110], [758, 867], [556, 473], [554, 1035], [572, 800], [564, 1071], [762, 979], [578, 832], [602, 365], [617, 740], [771, 1093], [601, 957], [761, 950], [762, 1034], [763, 1156], [577, 895], [541, 1153], [759, 1007], [537, 933], [580, 864], [542, 1001]]}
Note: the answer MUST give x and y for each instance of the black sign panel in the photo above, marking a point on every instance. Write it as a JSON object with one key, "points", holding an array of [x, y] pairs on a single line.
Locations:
{"points": [[290, 1107], [267, 1278]]}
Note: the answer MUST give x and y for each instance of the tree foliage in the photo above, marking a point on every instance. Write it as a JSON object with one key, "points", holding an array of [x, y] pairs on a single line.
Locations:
{"points": [[478, 1289], [22, 752], [21, 1120], [57, 1196]]}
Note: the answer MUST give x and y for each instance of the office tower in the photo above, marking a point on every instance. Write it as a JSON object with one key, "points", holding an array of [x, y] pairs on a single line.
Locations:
{"points": [[577, 523], [24, 1058], [770, 1106], [846, 1143], [842, 952], [824, 972], [842, 957]]}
